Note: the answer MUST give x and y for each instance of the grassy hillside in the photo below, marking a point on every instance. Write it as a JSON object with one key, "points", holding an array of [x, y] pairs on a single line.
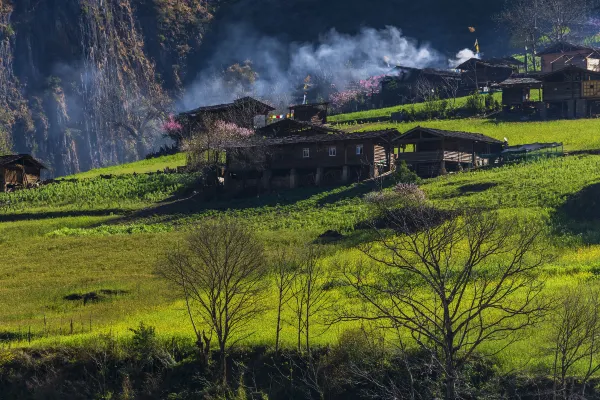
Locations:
{"points": [[59, 250], [106, 235], [138, 167]]}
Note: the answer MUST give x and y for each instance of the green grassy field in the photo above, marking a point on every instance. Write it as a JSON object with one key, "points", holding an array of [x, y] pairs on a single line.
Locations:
{"points": [[388, 111], [580, 134], [107, 236], [138, 167]]}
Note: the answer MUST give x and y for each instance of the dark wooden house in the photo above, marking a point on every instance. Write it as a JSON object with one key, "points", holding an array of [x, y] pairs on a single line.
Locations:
{"points": [[308, 159], [477, 73], [516, 92], [242, 112], [562, 54], [19, 171], [571, 92], [314, 112], [293, 127], [432, 152], [408, 85]]}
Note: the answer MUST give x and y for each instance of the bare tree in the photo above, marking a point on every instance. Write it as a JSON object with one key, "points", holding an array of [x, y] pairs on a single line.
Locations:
{"points": [[561, 18], [220, 273], [309, 294], [575, 336], [523, 18], [454, 284], [285, 271]]}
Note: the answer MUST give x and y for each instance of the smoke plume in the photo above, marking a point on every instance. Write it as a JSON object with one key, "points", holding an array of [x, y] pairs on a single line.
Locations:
{"points": [[335, 61], [461, 57]]}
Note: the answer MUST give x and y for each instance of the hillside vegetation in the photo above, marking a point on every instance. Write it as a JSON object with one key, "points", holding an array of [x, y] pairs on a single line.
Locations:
{"points": [[89, 239]]}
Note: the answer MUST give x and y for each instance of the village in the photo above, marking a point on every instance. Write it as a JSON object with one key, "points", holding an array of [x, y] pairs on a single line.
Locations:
{"points": [[265, 200], [300, 148]]}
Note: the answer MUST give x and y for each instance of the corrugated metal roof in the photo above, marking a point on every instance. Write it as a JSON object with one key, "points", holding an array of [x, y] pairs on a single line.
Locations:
{"points": [[519, 81]]}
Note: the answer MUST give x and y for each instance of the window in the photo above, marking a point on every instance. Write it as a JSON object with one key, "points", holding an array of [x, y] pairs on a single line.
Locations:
{"points": [[359, 149], [332, 151], [306, 152]]}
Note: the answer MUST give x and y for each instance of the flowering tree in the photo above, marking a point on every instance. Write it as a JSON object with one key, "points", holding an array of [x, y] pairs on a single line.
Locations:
{"points": [[206, 149], [358, 93], [172, 128]]}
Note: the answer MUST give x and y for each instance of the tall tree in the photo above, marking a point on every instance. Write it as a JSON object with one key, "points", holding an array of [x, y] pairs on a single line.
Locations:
{"points": [[453, 285], [220, 272]]}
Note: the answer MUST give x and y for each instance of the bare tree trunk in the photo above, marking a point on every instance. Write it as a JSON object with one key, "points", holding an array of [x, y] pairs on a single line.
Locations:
{"points": [[279, 307]]}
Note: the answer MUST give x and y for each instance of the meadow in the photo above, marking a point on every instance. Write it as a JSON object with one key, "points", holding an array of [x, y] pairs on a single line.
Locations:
{"points": [[105, 231]]}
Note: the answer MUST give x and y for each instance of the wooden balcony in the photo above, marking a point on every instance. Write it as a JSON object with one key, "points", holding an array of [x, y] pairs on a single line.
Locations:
{"points": [[436, 156]]}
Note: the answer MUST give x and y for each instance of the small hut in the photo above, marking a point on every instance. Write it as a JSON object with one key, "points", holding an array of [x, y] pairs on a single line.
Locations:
{"points": [[19, 171], [516, 92]]}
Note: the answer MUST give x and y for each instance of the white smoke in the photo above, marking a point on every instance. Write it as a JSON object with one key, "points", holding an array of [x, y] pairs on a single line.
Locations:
{"points": [[461, 57], [338, 59]]}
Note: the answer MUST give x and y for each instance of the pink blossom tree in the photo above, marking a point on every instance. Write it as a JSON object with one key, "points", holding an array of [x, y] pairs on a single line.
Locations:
{"points": [[206, 150], [357, 93]]}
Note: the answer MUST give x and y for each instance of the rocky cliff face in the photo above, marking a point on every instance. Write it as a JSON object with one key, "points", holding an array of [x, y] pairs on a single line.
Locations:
{"points": [[85, 83]]}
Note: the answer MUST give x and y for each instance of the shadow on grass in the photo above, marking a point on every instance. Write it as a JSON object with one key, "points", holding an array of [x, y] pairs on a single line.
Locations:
{"points": [[197, 204], [579, 215], [61, 214]]}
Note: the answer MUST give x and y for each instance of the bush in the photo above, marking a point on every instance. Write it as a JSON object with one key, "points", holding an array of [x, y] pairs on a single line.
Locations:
{"points": [[147, 350], [476, 103], [403, 174], [410, 194]]}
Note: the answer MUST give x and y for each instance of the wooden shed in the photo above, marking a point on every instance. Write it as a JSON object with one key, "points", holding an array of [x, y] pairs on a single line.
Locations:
{"points": [[432, 152], [314, 112], [516, 92], [478, 73], [408, 85], [19, 171]]}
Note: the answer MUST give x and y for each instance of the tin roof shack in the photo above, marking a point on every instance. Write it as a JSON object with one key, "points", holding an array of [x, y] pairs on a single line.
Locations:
{"points": [[478, 74], [571, 92], [310, 159], [19, 171], [433, 152], [315, 112], [516, 93], [562, 54], [241, 112], [409, 84]]}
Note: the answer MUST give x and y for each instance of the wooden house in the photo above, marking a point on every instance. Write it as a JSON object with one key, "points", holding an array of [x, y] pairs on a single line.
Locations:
{"points": [[432, 152], [293, 127], [308, 159], [477, 73], [516, 92], [571, 92], [409, 85], [241, 112], [19, 171], [314, 112], [563, 54]]}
